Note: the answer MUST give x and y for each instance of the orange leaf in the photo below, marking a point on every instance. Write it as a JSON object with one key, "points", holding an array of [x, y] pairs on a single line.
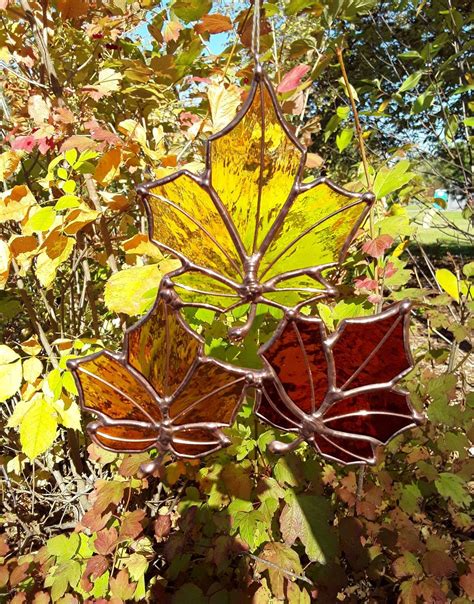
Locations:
{"points": [[213, 24], [108, 167]]}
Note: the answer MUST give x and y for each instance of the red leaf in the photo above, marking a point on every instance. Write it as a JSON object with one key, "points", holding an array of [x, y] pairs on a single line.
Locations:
{"points": [[438, 564], [162, 527], [293, 78], [23, 143], [95, 568], [338, 391], [108, 492], [376, 247], [95, 521], [106, 541], [467, 582], [131, 524], [4, 548], [366, 283], [120, 587]]}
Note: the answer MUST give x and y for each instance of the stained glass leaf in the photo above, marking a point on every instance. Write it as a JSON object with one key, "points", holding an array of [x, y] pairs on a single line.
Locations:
{"points": [[161, 392], [338, 391], [248, 230]]}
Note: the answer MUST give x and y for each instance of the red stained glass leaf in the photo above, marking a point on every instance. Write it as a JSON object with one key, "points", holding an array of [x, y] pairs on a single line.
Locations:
{"points": [[338, 392], [161, 392]]}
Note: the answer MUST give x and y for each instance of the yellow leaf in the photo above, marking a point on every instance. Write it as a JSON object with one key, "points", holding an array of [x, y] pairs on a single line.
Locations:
{"points": [[71, 9], [9, 161], [223, 103], [126, 290], [55, 250], [10, 372], [16, 203], [7, 355], [5, 258], [141, 244], [449, 282], [134, 130], [108, 167], [23, 249], [38, 428], [69, 414], [115, 201], [32, 369], [398, 251], [31, 346], [19, 413]]}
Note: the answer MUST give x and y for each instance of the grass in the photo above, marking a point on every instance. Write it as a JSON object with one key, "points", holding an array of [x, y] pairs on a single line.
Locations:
{"points": [[437, 231]]}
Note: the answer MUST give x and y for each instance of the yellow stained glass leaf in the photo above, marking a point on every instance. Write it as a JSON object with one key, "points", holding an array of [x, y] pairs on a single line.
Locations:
{"points": [[190, 284], [184, 216], [315, 230], [248, 231]]}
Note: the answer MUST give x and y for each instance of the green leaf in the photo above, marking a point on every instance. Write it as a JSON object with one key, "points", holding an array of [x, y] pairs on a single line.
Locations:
{"points": [[190, 10], [344, 138], [63, 547], [251, 528], [306, 517], [411, 81], [125, 291], [391, 179], [42, 220], [409, 500], [453, 487], [38, 428], [448, 281]]}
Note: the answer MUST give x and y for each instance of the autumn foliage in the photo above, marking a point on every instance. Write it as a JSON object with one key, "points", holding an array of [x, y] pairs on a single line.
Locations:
{"points": [[98, 97]]}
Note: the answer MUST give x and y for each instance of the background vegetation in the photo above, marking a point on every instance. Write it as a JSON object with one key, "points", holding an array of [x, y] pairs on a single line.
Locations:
{"points": [[97, 96]]}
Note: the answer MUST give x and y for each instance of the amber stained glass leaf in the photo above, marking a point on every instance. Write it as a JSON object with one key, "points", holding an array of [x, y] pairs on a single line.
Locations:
{"points": [[338, 391], [161, 391]]}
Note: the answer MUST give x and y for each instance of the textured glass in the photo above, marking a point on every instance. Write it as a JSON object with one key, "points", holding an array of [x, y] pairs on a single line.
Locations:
{"points": [[254, 166], [314, 232], [338, 391], [161, 392], [184, 218]]}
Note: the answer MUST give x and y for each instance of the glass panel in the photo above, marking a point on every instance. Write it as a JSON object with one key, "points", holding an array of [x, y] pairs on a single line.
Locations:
{"points": [[213, 395], [370, 352], [345, 450], [162, 349], [318, 226], [196, 442], [379, 414], [298, 358], [110, 388], [192, 287], [254, 166], [124, 438], [186, 220]]}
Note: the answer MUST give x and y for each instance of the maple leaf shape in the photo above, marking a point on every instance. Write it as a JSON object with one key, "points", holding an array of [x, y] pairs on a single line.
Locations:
{"points": [[338, 391], [161, 391], [248, 230]]}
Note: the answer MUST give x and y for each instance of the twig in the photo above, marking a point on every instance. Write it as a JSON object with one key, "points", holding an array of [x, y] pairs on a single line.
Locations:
{"points": [[358, 127]]}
